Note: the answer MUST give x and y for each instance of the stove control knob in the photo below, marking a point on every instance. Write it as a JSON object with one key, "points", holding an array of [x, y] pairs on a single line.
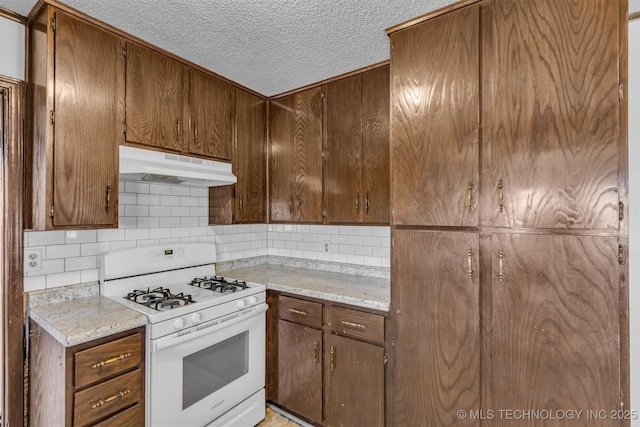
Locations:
{"points": [[196, 318], [178, 323], [253, 300], [241, 303]]}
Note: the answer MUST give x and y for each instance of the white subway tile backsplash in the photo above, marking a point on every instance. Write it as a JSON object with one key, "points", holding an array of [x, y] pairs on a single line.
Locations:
{"points": [[159, 213]]}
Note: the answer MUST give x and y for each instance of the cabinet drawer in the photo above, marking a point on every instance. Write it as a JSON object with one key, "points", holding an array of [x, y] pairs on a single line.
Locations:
{"points": [[133, 416], [356, 324], [107, 398], [108, 359], [299, 311]]}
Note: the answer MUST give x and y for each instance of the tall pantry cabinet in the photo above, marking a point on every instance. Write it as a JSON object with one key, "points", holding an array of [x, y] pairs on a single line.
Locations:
{"points": [[509, 233]]}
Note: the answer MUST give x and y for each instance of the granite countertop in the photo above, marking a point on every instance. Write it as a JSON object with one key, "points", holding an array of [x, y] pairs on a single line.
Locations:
{"points": [[357, 290], [84, 319]]}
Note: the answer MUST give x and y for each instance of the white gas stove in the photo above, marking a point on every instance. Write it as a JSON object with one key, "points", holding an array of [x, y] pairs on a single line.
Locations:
{"points": [[205, 337]]}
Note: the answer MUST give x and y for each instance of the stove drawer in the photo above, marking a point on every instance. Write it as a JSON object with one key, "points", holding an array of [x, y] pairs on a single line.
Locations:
{"points": [[300, 311], [356, 324], [106, 360], [107, 398]]}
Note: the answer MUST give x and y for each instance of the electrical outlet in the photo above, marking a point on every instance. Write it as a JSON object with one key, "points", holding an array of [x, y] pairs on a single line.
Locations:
{"points": [[326, 247], [33, 259]]}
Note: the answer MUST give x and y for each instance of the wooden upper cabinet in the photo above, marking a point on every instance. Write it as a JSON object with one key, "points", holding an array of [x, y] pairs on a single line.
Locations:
{"points": [[75, 127], [212, 105], [295, 172], [250, 159], [343, 160], [375, 145], [435, 115], [436, 325], [554, 324], [154, 99], [357, 148], [551, 108]]}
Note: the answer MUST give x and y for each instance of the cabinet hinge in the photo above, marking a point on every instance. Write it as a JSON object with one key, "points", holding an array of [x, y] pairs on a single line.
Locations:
{"points": [[124, 53], [52, 117], [124, 128], [620, 254], [53, 23], [386, 360], [620, 211], [620, 92], [51, 211]]}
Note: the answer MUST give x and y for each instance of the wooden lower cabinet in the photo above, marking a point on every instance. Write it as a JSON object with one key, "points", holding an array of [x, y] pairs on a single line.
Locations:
{"points": [[326, 362], [98, 383]]}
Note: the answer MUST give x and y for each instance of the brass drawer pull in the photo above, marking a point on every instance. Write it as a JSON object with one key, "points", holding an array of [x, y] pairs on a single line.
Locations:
{"points": [[357, 203], [500, 196], [469, 261], [296, 311], [101, 402], [114, 359], [108, 206], [500, 265], [367, 204], [332, 361], [470, 196], [316, 353], [353, 325]]}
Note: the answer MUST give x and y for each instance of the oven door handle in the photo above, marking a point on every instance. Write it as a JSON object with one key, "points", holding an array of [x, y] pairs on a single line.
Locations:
{"points": [[206, 328]]}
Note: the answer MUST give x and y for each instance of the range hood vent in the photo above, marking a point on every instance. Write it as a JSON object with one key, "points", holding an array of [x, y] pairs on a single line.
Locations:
{"points": [[154, 166]]}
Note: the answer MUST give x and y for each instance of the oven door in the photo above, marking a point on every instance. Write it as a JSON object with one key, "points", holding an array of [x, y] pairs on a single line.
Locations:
{"points": [[198, 374]]}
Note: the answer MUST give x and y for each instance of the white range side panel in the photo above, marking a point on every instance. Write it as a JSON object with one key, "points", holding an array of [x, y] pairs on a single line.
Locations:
{"points": [[12, 35], [634, 214]]}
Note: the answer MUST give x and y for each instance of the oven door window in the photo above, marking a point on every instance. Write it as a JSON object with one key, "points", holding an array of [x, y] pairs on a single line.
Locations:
{"points": [[212, 368]]}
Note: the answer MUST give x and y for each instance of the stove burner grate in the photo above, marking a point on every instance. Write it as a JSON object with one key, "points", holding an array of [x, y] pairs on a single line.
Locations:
{"points": [[219, 284], [160, 299]]}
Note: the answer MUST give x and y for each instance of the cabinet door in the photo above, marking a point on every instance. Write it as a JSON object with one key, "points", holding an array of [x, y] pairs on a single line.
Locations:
{"points": [[354, 383], [435, 313], [154, 99], [212, 104], [281, 120], [307, 155], [343, 160], [300, 370], [550, 111], [375, 145], [250, 160], [88, 62], [435, 121], [555, 316]]}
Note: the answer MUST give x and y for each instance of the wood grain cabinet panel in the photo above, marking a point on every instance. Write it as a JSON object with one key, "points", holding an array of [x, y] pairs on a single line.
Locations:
{"points": [[300, 370], [354, 383], [250, 160], [154, 99], [212, 105], [436, 327], [74, 127], [551, 107], [295, 171], [357, 148], [435, 113]]}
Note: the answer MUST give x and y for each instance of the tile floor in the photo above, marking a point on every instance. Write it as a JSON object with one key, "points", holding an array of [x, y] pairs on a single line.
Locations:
{"points": [[273, 419]]}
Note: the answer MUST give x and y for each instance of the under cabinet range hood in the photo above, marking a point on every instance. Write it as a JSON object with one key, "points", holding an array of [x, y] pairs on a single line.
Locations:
{"points": [[154, 166]]}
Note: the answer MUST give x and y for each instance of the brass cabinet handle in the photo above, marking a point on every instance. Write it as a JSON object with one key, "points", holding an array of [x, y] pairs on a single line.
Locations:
{"points": [[241, 204], [357, 202], [112, 360], [354, 325], [101, 402], [195, 131], [470, 195], [298, 203], [332, 360], [469, 259], [108, 206], [500, 196], [296, 311], [316, 353], [500, 265], [367, 205], [178, 129], [290, 204]]}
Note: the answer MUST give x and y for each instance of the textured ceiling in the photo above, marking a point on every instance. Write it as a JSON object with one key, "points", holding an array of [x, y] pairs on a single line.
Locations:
{"points": [[270, 46]]}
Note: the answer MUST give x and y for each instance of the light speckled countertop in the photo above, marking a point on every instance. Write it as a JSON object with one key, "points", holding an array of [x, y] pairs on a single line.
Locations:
{"points": [[362, 291], [81, 320]]}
